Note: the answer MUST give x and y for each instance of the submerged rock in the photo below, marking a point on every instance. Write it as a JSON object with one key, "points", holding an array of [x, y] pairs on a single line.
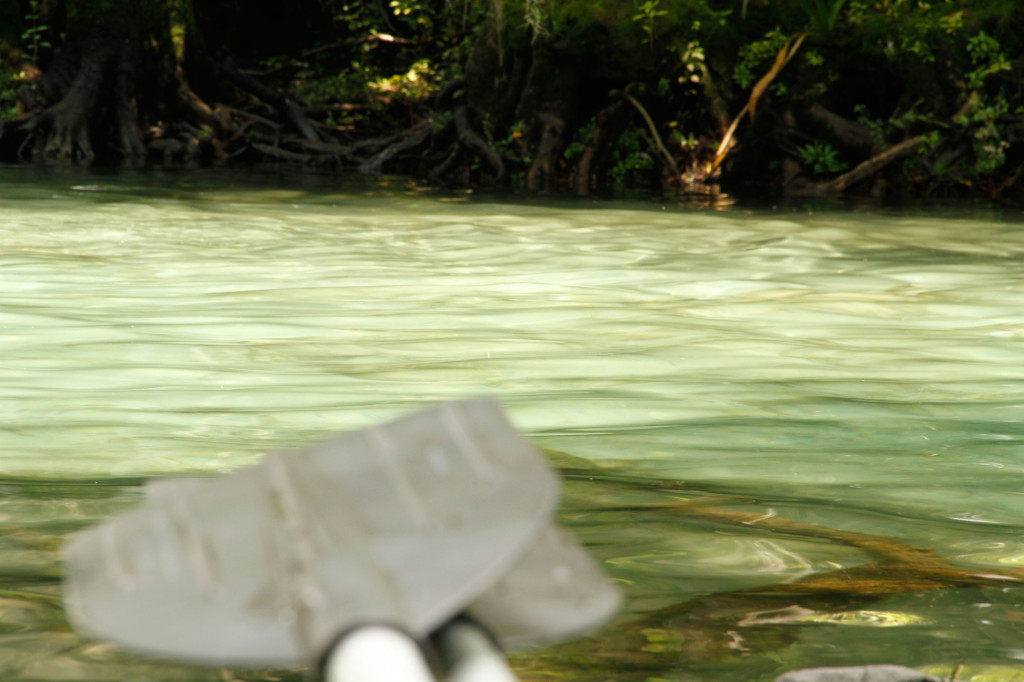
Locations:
{"points": [[860, 673]]}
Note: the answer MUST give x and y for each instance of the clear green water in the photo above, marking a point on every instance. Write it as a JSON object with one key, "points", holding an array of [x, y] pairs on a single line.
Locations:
{"points": [[859, 370]]}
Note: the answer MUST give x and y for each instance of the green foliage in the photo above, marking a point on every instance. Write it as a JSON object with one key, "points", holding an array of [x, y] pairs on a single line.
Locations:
{"points": [[878, 129], [351, 85], [346, 119], [987, 57], [630, 155], [753, 57], [822, 15], [648, 17], [952, 23], [372, 65], [511, 144], [576, 148], [439, 120], [9, 86], [986, 135], [358, 18], [821, 158], [924, 29], [34, 36], [683, 140], [692, 57], [621, 24], [419, 81]]}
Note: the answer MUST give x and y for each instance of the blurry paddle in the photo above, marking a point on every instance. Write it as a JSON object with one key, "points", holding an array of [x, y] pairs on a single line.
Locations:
{"points": [[404, 525]]}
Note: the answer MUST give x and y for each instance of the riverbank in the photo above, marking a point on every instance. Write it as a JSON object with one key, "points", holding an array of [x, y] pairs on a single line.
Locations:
{"points": [[884, 99]]}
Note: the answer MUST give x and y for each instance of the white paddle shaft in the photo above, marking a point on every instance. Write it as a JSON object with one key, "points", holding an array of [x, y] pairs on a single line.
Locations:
{"points": [[376, 653]]}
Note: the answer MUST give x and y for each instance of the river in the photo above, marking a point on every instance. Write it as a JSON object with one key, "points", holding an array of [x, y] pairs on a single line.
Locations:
{"points": [[860, 370]]}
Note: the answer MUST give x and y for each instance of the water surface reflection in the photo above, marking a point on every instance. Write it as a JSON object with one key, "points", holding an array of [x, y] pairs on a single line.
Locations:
{"points": [[862, 371]]}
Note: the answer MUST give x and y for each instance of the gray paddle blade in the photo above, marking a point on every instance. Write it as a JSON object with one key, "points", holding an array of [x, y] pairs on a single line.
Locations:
{"points": [[405, 524], [555, 591]]}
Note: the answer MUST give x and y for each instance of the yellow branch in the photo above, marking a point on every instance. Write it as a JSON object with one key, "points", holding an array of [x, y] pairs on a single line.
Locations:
{"points": [[781, 59]]}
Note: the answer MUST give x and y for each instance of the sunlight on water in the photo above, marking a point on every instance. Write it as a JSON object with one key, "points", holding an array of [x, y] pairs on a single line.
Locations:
{"points": [[864, 370]]}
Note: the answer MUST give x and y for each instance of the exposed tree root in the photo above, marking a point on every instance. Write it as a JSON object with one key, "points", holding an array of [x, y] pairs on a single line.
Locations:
{"points": [[442, 169], [284, 104], [468, 143], [475, 143], [542, 176], [413, 138], [63, 129], [275, 152]]}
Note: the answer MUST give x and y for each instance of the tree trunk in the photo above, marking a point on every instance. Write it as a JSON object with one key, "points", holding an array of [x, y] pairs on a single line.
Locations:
{"points": [[113, 82], [548, 106], [66, 123], [90, 90], [608, 124]]}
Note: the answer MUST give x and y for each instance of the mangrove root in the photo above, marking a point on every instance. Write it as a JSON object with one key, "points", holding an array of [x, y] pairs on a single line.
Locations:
{"points": [[473, 142], [285, 105], [413, 138]]}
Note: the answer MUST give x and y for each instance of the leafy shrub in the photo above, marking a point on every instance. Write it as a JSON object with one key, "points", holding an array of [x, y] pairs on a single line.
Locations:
{"points": [[821, 158]]}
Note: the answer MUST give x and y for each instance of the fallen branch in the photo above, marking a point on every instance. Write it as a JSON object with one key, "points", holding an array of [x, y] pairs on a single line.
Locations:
{"points": [[864, 169], [868, 168]]}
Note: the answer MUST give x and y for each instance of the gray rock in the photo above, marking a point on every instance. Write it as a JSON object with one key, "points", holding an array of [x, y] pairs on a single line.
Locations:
{"points": [[860, 673]]}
